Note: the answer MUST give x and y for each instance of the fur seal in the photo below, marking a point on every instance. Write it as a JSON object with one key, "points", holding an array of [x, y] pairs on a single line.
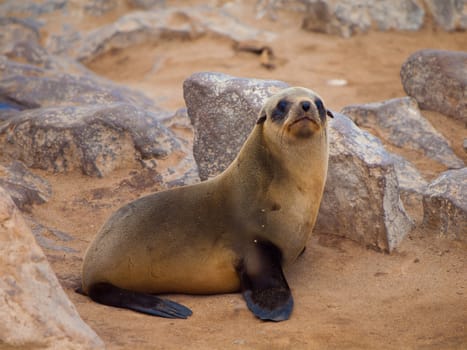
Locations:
{"points": [[232, 232]]}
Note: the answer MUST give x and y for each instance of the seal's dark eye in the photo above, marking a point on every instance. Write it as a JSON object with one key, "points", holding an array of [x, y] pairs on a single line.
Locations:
{"points": [[282, 105], [280, 111], [321, 109]]}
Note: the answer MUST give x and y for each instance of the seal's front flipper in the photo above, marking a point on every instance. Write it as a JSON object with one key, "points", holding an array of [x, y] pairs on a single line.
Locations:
{"points": [[108, 294], [264, 286]]}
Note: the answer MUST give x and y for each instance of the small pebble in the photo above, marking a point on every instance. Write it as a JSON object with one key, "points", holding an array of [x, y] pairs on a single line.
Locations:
{"points": [[337, 82]]}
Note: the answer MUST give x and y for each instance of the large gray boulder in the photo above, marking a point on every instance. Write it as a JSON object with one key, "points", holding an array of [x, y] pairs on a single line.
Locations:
{"points": [[63, 122], [437, 79], [95, 139], [35, 312], [223, 110], [445, 205], [400, 123], [361, 199]]}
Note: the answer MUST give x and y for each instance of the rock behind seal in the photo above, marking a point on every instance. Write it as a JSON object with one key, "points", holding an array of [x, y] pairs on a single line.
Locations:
{"points": [[223, 109], [35, 312], [361, 198], [400, 123]]}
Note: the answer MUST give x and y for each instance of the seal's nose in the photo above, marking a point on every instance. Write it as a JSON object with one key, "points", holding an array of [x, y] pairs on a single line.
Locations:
{"points": [[305, 105]]}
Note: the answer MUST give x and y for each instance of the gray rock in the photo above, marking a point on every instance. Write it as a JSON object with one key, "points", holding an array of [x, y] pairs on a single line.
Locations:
{"points": [[8, 109], [412, 187], [62, 41], [437, 79], [146, 4], [31, 8], [409, 178], [50, 238], [347, 17], [272, 9], [445, 205], [93, 139], [185, 172], [66, 7], [223, 110], [99, 7], [30, 86], [34, 309], [449, 14], [61, 122], [361, 199], [20, 42], [19, 38], [400, 123], [151, 26], [24, 187]]}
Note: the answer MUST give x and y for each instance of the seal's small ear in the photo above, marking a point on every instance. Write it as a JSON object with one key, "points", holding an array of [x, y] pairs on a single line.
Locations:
{"points": [[329, 113], [262, 117]]}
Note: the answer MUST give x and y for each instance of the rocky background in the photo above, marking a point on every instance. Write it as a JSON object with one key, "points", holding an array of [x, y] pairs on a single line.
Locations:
{"points": [[102, 101]]}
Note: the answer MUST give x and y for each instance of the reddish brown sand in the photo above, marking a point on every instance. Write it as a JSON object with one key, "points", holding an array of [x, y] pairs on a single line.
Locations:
{"points": [[346, 296]]}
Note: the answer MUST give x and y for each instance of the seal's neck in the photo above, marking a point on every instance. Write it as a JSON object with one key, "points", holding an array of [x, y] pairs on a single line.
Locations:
{"points": [[300, 160], [253, 166], [261, 161]]}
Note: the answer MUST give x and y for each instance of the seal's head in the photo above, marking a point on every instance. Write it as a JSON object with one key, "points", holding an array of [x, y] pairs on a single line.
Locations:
{"points": [[296, 113]]}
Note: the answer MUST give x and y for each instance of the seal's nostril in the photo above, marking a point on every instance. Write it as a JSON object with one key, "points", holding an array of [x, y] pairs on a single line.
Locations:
{"points": [[305, 106]]}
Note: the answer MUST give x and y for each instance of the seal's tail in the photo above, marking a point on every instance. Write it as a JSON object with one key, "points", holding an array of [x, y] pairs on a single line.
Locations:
{"points": [[108, 294]]}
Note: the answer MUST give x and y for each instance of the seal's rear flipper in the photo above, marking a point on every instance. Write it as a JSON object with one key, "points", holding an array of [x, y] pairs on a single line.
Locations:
{"points": [[108, 294], [264, 286]]}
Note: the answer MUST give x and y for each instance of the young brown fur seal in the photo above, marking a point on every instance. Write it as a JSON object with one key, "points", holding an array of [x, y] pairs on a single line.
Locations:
{"points": [[233, 232]]}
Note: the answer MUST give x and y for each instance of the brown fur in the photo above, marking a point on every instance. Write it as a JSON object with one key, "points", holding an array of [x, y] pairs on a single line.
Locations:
{"points": [[191, 239]]}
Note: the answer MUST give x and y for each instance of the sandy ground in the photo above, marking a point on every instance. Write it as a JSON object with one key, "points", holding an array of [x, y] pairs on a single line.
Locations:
{"points": [[346, 297]]}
